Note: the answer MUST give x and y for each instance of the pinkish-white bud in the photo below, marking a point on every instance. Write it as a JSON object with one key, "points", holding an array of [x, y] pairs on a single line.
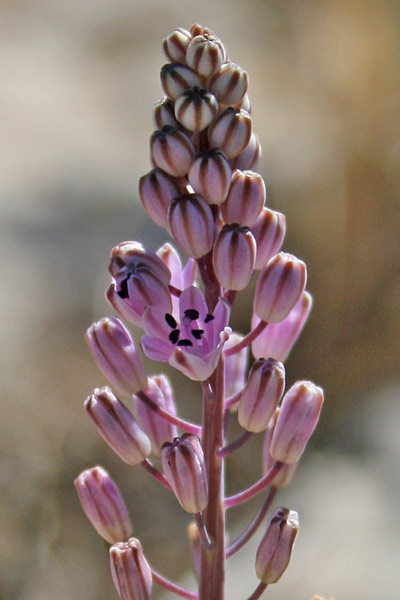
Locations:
{"points": [[196, 108], [103, 504], [210, 176], [184, 467], [176, 78], [164, 114], [204, 55], [117, 426], [235, 366], [244, 103], [275, 549], [279, 286], [250, 157], [286, 472], [230, 84], [157, 189], [297, 419], [192, 225], [172, 151], [233, 257], [269, 231], [245, 199], [130, 571], [175, 45], [231, 132]]}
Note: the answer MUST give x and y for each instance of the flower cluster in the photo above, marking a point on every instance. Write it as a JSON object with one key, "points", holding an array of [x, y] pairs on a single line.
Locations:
{"points": [[204, 191]]}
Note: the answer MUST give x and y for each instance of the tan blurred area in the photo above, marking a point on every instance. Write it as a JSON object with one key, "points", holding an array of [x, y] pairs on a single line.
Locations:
{"points": [[76, 93]]}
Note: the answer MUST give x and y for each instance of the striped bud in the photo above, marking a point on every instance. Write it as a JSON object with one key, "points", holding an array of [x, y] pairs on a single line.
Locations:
{"points": [[297, 419], [164, 114], [233, 258], [192, 225], [103, 504], [286, 472], [132, 258], [176, 78], [172, 151], [204, 55], [175, 45], [261, 394], [117, 426], [210, 176], [116, 355], [245, 199], [196, 108], [275, 549], [230, 84], [157, 190], [235, 366], [130, 571], [250, 157], [231, 132], [184, 467], [244, 103], [269, 231], [279, 286]]}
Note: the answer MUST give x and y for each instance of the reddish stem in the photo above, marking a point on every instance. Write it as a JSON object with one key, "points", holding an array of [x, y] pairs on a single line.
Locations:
{"points": [[146, 464], [248, 339], [254, 489], [235, 445], [173, 587], [258, 591], [168, 416]]}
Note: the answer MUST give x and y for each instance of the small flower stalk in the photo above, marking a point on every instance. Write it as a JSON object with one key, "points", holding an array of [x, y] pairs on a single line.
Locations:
{"points": [[204, 190]]}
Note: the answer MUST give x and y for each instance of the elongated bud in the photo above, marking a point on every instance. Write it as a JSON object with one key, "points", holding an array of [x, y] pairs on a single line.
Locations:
{"points": [[176, 78], [175, 45], [231, 132], [230, 84], [234, 254], [116, 355], [269, 231], [235, 366], [172, 151], [195, 548], [297, 419], [275, 549], [205, 55], [210, 176], [103, 504], [157, 190], [185, 469], [286, 472], [245, 199], [279, 286], [158, 429], [196, 108], [130, 571], [192, 225], [164, 114], [250, 157], [117, 426]]}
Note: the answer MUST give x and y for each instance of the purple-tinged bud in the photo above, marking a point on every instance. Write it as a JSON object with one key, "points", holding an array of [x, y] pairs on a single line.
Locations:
{"points": [[286, 472], [251, 155], [158, 429], [231, 132], [117, 426], [245, 199], [172, 151], [235, 366], [275, 549], [103, 504], [261, 394], [164, 114], [184, 467], [195, 548], [278, 339], [233, 257], [196, 108], [116, 355], [269, 231], [157, 190], [130, 571], [210, 176], [205, 55], [192, 225], [176, 78], [297, 419], [175, 45], [280, 285], [230, 84]]}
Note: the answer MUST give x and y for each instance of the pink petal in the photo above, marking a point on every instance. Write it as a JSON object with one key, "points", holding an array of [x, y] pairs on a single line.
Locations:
{"points": [[189, 273], [221, 314], [154, 323], [192, 297], [155, 348], [171, 259]]}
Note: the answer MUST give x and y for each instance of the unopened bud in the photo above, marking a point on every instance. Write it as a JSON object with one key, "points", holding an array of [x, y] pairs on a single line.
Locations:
{"points": [[231, 132], [245, 199], [210, 176], [192, 225], [244, 103], [184, 466], [117, 426], [297, 419], [269, 231], [230, 84], [196, 108], [279, 286], [175, 45], [275, 549], [250, 157], [172, 151], [235, 366], [130, 571], [157, 189], [164, 114], [205, 55], [234, 254], [176, 78], [286, 472], [103, 504]]}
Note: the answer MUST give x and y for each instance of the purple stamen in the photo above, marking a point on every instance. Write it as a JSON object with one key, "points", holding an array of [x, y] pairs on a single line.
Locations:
{"points": [[185, 343], [174, 336], [197, 333], [208, 318], [170, 320]]}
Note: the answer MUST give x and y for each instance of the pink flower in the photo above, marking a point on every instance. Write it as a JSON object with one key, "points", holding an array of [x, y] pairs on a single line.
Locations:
{"points": [[194, 343]]}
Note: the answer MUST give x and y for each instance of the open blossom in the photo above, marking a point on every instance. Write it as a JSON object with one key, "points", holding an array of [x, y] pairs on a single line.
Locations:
{"points": [[192, 343]]}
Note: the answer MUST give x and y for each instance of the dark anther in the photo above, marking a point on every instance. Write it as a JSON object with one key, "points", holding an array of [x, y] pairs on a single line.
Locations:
{"points": [[197, 333], [208, 318], [170, 320], [185, 343], [123, 292], [174, 336], [192, 314]]}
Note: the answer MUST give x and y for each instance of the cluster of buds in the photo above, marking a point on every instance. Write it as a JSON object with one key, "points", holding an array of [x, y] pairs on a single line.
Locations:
{"points": [[204, 191]]}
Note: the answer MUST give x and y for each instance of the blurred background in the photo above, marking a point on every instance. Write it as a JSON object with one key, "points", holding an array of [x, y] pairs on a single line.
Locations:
{"points": [[78, 83]]}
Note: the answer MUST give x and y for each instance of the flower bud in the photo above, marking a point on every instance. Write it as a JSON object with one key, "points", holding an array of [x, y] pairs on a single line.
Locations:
{"points": [[235, 366], [205, 55], [172, 151], [176, 78], [279, 286], [116, 355], [250, 157], [117, 426], [297, 419], [157, 189], [184, 467], [156, 427], [233, 258], [269, 231], [132, 258], [286, 472], [103, 504], [231, 132], [192, 225], [261, 394], [275, 549], [164, 114], [196, 108], [210, 176], [244, 103], [175, 45], [245, 199], [230, 84], [130, 571]]}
